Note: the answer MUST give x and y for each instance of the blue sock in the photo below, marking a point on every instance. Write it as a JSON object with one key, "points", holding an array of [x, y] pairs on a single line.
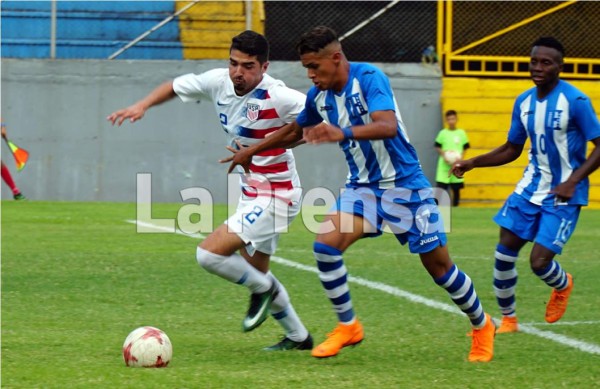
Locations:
{"points": [[553, 275], [462, 292], [333, 276], [505, 279]]}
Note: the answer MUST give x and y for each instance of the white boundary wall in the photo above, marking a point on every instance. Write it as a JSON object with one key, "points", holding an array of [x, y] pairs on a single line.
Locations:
{"points": [[57, 111]]}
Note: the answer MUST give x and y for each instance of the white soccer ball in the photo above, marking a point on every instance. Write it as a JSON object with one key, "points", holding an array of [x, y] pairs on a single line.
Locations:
{"points": [[452, 156], [147, 347]]}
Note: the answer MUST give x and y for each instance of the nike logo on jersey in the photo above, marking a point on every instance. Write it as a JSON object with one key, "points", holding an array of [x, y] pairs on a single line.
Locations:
{"points": [[220, 103]]}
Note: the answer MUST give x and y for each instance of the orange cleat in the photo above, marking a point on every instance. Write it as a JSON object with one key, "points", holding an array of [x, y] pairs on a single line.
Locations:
{"points": [[508, 324], [558, 302], [482, 346], [342, 336]]}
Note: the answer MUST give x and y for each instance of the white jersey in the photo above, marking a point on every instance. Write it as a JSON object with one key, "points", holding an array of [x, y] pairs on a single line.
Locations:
{"points": [[250, 118]]}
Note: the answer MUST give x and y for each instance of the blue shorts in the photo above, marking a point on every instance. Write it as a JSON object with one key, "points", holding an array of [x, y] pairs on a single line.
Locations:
{"points": [[548, 225], [412, 216]]}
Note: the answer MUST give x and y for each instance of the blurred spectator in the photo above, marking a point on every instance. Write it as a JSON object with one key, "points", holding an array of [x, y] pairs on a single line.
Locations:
{"points": [[451, 144]]}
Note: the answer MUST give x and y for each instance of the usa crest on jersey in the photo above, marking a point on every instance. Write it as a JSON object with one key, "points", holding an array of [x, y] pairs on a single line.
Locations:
{"points": [[252, 111]]}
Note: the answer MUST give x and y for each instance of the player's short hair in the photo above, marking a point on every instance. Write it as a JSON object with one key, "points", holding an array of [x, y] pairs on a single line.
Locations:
{"points": [[548, 41], [251, 43], [451, 112], [316, 39]]}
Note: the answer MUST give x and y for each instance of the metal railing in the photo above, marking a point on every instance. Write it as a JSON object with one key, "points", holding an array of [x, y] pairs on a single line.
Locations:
{"points": [[489, 55]]}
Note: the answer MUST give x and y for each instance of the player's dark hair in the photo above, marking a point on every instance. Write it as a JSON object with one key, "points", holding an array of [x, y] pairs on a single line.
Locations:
{"points": [[451, 112], [548, 41], [253, 44], [316, 39]]}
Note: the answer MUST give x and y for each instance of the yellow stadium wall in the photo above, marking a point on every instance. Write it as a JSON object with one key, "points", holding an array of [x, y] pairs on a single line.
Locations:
{"points": [[208, 27], [484, 109]]}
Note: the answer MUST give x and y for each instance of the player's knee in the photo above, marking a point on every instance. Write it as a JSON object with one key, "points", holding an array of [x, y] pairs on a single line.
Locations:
{"points": [[538, 264], [207, 260]]}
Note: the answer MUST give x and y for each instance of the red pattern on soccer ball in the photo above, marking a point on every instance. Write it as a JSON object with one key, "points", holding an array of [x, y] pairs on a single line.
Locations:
{"points": [[160, 362], [153, 333], [127, 354]]}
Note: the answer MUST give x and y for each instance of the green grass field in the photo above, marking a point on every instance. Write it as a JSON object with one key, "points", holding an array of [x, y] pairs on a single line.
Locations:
{"points": [[76, 279]]}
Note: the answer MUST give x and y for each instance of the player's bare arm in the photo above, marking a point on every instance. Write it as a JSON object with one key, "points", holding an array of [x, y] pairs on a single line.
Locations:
{"points": [[384, 125], [439, 151], [285, 137], [502, 155], [137, 110], [566, 190]]}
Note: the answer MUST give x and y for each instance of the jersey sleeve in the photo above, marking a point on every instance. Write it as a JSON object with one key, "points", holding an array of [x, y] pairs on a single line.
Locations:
{"points": [[309, 115], [585, 117], [439, 139], [517, 133], [288, 102], [465, 138], [377, 90], [195, 87]]}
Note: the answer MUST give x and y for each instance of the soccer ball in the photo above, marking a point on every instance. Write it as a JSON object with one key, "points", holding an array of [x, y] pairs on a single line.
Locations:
{"points": [[147, 347], [452, 156]]}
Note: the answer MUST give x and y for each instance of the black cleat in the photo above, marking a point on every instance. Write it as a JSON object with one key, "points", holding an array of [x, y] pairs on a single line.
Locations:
{"points": [[288, 344], [259, 309]]}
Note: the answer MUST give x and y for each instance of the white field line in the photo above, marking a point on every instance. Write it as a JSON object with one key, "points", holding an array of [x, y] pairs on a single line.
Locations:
{"points": [[526, 328], [164, 229], [564, 323]]}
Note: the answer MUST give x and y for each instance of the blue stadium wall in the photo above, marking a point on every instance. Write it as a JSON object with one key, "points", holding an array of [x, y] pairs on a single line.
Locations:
{"points": [[89, 29]]}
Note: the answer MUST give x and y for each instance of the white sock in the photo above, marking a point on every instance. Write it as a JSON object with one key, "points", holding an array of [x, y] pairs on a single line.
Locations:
{"points": [[234, 268], [283, 311]]}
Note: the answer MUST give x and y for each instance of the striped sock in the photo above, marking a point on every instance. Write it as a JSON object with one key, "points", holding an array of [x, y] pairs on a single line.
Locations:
{"points": [[333, 276], [462, 292], [553, 275], [505, 279]]}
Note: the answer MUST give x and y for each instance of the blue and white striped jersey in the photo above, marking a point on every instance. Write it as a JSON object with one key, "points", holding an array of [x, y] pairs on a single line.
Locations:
{"points": [[559, 127], [383, 163]]}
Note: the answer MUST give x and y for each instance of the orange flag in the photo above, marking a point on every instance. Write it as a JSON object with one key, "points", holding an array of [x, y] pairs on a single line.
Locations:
{"points": [[21, 155]]}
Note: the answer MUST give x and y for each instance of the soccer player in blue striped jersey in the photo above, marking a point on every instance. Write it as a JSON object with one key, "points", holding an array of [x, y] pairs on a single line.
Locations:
{"points": [[353, 104], [544, 208]]}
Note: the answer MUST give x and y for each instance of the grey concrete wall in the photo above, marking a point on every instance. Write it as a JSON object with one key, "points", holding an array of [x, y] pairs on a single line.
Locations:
{"points": [[57, 111]]}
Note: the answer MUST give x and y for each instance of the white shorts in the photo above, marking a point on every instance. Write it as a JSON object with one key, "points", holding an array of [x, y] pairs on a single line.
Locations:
{"points": [[260, 220]]}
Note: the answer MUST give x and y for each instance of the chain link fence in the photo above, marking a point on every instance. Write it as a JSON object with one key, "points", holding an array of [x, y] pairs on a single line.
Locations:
{"points": [[493, 39], [575, 24], [400, 34], [376, 31]]}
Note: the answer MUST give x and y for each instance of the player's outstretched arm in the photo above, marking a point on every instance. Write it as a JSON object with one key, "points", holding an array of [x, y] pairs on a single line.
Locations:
{"points": [[285, 137], [136, 111], [384, 125], [502, 155], [565, 190]]}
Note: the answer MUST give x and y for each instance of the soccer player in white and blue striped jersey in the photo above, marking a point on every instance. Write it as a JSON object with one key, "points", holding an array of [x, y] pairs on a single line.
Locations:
{"points": [[353, 104], [544, 208]]}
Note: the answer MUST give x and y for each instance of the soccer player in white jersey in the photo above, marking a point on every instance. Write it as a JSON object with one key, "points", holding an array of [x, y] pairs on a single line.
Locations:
{"points": [[250, 105], [353, 104], [544, 208]]}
